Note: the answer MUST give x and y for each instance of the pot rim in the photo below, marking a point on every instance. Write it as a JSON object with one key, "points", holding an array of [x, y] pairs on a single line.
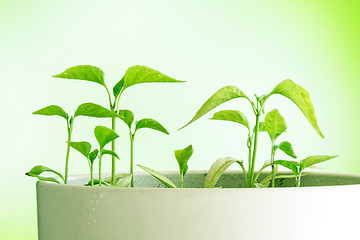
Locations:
{"points": [[306, 188]]}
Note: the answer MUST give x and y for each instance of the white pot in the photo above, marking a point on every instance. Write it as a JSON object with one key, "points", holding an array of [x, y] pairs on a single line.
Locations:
{"points": [[77, 212]]}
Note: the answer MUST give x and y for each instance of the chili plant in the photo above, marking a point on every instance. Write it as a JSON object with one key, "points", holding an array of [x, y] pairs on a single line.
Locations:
{"points": [[134, 75], [286, 88], [86, 109], [182, 156], [128, 118], [103, 136]]}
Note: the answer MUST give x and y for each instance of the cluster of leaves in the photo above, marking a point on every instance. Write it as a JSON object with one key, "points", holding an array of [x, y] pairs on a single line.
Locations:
{"points": [[274, 124], [134, 75]]}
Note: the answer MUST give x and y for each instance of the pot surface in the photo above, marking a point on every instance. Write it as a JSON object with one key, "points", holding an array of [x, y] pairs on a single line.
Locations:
{"points": [[73, 211]]}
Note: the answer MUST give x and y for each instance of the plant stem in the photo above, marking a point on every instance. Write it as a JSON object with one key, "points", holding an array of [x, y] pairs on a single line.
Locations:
{"points": [[272, 164], [113, 157], [69, 130], [181, 180], [132, 137], [298, 180], [100, 157], [92, 175], [256, 131], [250, 148]]}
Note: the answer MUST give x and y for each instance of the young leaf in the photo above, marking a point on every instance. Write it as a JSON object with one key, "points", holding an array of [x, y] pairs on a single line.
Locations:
{"points": [[94, 110], [223, 95], [167, 182], [288, 164], [217, 169], [52, 110], [127, 117], [83, 72], [142, 74], [93, 155], [275, 124], [183, 156], [125, 182], [83, 147], [266, 164], [301, 98], [262, 127], [233, 116], [96, 182], [104, 151], [117, 178], [39, 169], [46, 179], [118, 87], [309, 161], [287, 148], [266, 181], [150, 123], [104, 135]]}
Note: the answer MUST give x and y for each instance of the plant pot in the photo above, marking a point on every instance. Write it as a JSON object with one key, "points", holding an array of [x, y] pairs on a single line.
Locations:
{"points": [[327, 207]]}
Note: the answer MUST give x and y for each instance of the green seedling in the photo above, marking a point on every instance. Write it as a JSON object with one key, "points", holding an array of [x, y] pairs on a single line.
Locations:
{"points": [[275, 125], [286, 88], [103, 136], [85, 109], [298, 167], [128, 119], [182, 156], [134, 75], [39, 169]]}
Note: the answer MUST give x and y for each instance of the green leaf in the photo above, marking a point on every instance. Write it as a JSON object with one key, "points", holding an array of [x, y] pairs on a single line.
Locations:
{"points": [[182, 156], [265, 165], [167, 182], [287, 148], [104, 135], [96, 182], [93, 155], [83, 72], [309, 161], [94, 110], [301, 98], [288, 164], [52, 110], [125, 182], [104, 151], [41, 178], [127, 117], [150, 123], [233, 116], [118, 87], [142, 74], [221, 96], [117, 178], [39, 169], [262, 127], [83, 147], [266, 181], [275, 124], [217, 169]]}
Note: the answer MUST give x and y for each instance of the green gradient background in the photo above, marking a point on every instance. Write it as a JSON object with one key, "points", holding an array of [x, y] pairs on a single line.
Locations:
{"points": [[209, 44]]}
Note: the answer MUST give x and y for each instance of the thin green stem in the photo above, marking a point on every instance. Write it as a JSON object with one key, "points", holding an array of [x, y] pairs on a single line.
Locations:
{"points": [[100, 157], [245, 176], [272, 164], [69, 130], [132, 137], [256, 131], [181, 180], [249, 159], [113, 157], [92, 175], [298, 180]]}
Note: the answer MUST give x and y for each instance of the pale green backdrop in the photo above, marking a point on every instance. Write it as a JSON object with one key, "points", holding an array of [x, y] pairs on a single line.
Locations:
{"points": [[252, 44]]}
